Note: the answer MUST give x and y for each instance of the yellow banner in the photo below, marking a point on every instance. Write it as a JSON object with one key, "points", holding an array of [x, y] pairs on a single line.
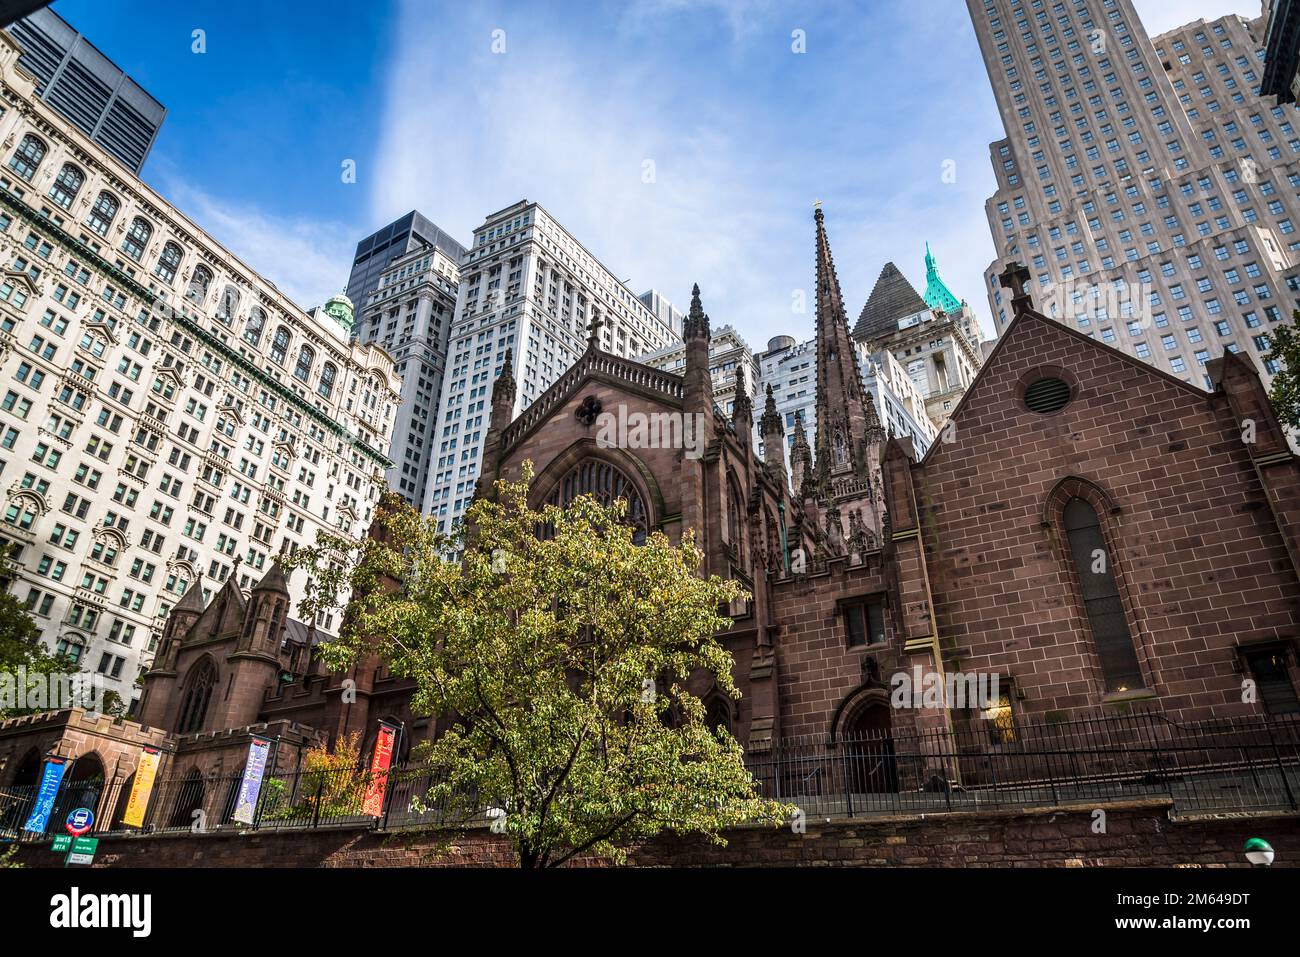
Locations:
{"points": [[141, 789]]}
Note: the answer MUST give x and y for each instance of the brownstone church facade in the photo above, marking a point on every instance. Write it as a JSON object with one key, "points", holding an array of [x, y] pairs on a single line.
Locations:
{"points": [[1094, 532]]}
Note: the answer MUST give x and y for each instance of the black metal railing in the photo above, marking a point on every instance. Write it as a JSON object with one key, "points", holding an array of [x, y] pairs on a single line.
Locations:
{"points": [[1239, 764], [1230, 765]]}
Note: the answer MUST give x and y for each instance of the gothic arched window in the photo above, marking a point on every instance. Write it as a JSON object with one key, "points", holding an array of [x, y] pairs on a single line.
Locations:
{"points": [[1101, 598], [169, 262], [605, 483], [199, 283], [66, 185], [305, 358], [280, 345], [137, 238], [102, 214], [27, 157], [841, 449], [228, 304], [326, 385], [253, 328], [198, 693]]}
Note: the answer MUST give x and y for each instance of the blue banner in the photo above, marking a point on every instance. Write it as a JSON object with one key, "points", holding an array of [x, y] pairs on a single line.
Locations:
{"points": [[251, 786], [51, 781]]}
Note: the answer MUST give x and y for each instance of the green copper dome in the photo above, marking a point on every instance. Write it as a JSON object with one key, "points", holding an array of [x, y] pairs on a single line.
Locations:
{"points": [[937, 294], [340, 309]]}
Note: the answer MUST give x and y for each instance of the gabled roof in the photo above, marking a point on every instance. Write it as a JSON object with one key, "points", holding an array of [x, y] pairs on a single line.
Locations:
{"points": [[1033, 317], [892, 299], [665, 387]]}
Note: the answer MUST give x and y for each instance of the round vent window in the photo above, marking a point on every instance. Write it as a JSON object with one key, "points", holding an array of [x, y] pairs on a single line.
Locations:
{"points": [[1047, 395]]}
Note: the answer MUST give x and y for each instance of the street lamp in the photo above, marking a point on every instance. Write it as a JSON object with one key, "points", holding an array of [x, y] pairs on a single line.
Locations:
{"points": [[1259, 852]]}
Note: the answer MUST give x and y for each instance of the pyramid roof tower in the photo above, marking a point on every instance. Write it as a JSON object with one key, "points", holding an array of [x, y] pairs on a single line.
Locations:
{"points": [[892, 299]]}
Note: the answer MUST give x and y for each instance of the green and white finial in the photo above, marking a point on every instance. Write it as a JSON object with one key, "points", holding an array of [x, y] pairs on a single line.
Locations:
{"points": [[937, 293], [340, 309]]}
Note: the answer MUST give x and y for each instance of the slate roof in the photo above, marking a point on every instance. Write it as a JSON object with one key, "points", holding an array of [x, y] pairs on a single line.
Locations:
{"points": [[892, 298]]}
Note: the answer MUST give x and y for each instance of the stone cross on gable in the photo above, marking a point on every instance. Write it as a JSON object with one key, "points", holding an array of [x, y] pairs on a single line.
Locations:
{"points": [[1014, 277], [593, 329]]}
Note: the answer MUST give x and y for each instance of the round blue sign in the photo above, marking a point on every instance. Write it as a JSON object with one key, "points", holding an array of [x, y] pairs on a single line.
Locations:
{"points": [[80, 821]]}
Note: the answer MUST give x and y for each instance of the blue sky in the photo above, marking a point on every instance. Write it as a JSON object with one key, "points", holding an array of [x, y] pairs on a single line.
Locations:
{"points": [[741, 133]]}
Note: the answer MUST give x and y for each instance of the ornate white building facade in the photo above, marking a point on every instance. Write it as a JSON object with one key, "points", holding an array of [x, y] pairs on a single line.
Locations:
{"points": [[167, 417]]}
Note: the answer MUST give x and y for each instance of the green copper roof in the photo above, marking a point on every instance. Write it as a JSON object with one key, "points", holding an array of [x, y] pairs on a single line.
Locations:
{"points": [[937, 294]]}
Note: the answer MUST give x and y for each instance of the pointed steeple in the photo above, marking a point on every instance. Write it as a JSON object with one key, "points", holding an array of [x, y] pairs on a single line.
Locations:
{"points": [[937, 294], [800, 456], [696, 323], [273, 580], [770, 423], [846, 418], [192, 601], [505, 383]]}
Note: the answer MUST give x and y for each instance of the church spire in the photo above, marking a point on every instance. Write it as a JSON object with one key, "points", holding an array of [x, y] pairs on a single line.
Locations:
{"points": [[846, 417], [937, 294]]}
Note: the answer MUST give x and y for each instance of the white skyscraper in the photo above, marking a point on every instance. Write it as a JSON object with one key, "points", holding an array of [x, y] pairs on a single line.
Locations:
{"points": [[527, 286]]}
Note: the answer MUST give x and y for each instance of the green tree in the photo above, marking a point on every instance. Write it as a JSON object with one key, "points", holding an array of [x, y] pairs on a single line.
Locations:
{"points": [[1284, 392], [20, 643], [564, 651]]}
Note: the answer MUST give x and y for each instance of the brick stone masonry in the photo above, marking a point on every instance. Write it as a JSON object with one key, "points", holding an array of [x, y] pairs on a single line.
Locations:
{"points": [[1138, 834], [1098, 535]]}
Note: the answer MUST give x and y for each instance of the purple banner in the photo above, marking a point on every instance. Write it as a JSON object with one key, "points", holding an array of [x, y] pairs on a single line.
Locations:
{"points": [[251, 786]]}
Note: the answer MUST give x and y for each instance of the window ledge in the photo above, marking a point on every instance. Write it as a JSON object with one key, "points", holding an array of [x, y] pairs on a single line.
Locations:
{"points": [[1135, 694]]}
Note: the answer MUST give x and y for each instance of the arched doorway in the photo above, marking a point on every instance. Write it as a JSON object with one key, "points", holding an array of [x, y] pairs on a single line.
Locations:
{"points": [[83, 784], [868, 748]]}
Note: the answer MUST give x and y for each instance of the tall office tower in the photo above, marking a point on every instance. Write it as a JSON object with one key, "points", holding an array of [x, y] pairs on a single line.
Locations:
{"points": [[936, 336], [664, 311], [86, 88], [1147, 186], [527, 287], [168, 419], [1282, 50], [727, 350], [790, 369], [374, 253], [410, 314]]}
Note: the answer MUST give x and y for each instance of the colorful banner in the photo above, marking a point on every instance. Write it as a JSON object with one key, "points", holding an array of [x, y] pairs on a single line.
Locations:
{"points": [[251, 786], [51, 781], [374, 803], [145, 773]]}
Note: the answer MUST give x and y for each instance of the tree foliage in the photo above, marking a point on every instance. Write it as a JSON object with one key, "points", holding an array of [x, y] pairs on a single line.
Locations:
{"points": [[564, 653], [20, 643], [1284, 392]]}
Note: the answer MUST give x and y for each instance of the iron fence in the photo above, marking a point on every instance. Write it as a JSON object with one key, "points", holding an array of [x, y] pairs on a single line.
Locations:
{"points": [[1230, 765], [1239, 764]]}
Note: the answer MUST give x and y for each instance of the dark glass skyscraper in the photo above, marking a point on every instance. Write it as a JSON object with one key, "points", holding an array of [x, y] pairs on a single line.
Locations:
{"points": [[87, 88], [398, 238]]}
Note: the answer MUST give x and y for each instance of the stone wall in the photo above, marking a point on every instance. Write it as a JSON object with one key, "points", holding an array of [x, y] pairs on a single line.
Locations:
{"points": [[1137, 834]]}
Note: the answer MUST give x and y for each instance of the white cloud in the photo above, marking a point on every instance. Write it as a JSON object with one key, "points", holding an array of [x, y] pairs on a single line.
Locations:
{"points": [[307, 259], [580, 132], [1160, 16]]}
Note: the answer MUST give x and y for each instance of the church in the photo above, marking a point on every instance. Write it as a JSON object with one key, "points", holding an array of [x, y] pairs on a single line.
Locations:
{"points": [[1099, 535]]}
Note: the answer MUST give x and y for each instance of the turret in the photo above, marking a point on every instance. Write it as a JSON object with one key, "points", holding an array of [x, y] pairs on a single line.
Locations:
{"points": [[772, 430], [503, 407]]}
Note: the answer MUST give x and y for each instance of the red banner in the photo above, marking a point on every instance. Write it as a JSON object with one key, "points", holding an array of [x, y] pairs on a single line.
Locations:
{"points": [[374, 803]]}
